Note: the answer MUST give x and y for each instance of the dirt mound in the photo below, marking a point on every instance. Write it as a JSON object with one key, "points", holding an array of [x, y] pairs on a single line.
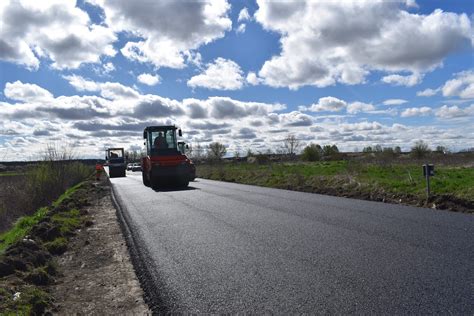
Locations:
{"points": [[22, 256], [452, 203]]}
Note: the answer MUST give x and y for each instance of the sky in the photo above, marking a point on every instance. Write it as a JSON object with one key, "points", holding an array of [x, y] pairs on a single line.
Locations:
{"points": [[91, 74]]}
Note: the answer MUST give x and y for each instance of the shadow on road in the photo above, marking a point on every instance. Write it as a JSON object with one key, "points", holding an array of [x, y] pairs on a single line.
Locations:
{"points": [[170, 188]]}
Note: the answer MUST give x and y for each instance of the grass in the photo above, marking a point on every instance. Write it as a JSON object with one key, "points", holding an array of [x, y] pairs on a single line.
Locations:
{"points": [[67, 221], [24, 224], [346, 176], [31, 301], [11, 174], [26, 190], [21, 228]]}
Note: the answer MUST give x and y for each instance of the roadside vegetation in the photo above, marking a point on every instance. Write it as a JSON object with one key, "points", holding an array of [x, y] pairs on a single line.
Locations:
{"points": [[26, 189], [27, 251], [376, 173]]}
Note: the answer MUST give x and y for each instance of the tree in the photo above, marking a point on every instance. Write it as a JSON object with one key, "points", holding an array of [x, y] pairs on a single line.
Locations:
{"points": [[291, 144], [196, 152], [331, 152], [378, 149], [388, 152], [420, 149], [312, 152], [216, 151], [398, 150], [441, 149], [367, 150]]}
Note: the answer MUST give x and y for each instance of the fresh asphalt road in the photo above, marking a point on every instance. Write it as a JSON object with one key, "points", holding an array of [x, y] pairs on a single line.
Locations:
{"points": [[224, 247]]}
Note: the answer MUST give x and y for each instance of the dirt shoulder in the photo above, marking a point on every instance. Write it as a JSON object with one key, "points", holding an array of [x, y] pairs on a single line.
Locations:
{"points": [[73, 261], [98, 275]]}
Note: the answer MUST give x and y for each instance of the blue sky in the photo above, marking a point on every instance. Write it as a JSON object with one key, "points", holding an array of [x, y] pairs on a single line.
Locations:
{"points": [[352, 73]]}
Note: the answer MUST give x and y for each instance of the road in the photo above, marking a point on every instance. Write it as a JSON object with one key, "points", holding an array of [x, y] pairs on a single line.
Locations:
{"points": [[224, 247]]}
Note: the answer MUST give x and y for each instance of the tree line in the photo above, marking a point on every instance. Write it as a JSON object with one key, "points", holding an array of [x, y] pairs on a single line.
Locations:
{"points": [[290, 148]]}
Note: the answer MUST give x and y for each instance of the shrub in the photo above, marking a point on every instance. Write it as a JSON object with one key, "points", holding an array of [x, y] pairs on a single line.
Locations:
{"points": [[420, 149], [312, 152], [331, 152]]}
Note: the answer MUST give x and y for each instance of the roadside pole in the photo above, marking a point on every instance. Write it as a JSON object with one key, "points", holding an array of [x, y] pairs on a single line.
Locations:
{"points": [[428, 171]]}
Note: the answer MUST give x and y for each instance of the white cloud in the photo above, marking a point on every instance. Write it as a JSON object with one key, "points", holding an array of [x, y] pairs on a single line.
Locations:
{"points": [[394, 102], [325, 42], [449, 112], [462, 86], [356, 107], [399, 80], [252, 78], [241, 29], [328, 104], [109, 90], [57, 30], [243, 15], [422, 111], [81, 84], [223, 74], [295, 119], [26, 92], [118, 114], [427, 92], [169, 29], [108, 67], [362, 126], [149, 79]]}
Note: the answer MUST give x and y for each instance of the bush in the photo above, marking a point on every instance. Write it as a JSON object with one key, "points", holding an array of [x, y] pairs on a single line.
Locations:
{"points": [[331, 152], [312, 152], [50, 179], [262, 158], [420, 150]]}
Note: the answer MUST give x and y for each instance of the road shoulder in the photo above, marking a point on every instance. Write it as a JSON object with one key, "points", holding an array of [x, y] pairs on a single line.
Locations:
{"points": [[98, 276]]}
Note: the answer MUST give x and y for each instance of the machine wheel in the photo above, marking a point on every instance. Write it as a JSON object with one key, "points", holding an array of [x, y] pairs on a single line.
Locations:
{"points": [[146, 181], [184, 183], [154, 184]]}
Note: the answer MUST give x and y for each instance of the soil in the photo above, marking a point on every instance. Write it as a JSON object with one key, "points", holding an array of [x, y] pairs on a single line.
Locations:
{"points": [[97, 275]]}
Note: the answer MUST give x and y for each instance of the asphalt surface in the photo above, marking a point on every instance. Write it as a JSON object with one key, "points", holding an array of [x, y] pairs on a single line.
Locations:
{"points": [[222, 247]]}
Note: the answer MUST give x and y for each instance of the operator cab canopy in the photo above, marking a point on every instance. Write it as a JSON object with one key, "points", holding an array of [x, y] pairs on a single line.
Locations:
{"points": [[161, 140]]}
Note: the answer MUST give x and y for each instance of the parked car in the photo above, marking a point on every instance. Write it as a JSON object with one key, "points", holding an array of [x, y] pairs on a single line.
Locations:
{"points": [[129, 166], [136, 167]]}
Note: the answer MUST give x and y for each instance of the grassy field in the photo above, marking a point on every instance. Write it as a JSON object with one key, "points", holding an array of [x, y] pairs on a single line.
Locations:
{"points": [[400, 183]]}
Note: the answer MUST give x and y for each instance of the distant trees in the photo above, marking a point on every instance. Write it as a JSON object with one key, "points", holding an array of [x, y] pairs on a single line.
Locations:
{"points": [[331, 151], [384, 151], [216, 150], [291, 144], [134, 155], [420, 149], [441, 150], [314, 152]]}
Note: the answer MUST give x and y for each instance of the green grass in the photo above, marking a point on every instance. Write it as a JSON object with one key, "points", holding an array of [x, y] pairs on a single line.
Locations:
{"points": [[391, 178], [21, 228], [24, 224], [67, 221], [32, 301], [11, 174], [67, 194]]}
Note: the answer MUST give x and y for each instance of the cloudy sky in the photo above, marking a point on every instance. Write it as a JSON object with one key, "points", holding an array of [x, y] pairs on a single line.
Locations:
{"points": [[94, 73]]}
